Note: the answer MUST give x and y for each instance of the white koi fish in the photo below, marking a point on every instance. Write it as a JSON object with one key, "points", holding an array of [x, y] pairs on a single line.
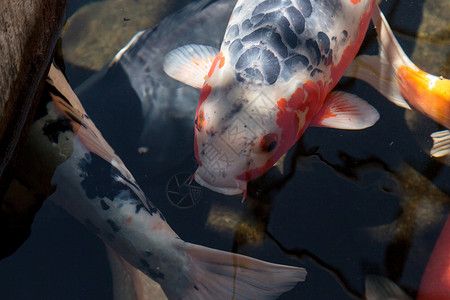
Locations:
{"points": [[93, 185], [272, 78]]}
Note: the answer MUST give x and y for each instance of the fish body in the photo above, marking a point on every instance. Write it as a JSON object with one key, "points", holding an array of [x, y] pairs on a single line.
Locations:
{"points": [[93, 185], [435, 284], [269, 82]]}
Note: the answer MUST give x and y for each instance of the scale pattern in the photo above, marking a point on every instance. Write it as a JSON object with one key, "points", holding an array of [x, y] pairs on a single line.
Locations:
{"points": [[274, 39]]}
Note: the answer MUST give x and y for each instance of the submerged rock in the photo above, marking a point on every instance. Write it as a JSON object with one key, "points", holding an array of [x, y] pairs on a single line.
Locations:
{"points": [[94, 34]]}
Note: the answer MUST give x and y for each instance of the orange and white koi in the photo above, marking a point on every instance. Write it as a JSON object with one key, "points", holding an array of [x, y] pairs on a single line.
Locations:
{"points": [[94, 185], [270, 81], [395, 76]]}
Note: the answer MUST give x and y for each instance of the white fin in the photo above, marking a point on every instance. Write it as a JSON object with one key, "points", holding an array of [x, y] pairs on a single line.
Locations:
{"points": [[441, 143], [380, 288], [131, 284], [190, 64], [377, 72], [223, 275], [346, 111]]}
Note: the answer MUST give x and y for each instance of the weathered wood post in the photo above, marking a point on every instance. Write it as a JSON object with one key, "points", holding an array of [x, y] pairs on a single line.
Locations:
{"points": [[28, 33], [29, 30]]}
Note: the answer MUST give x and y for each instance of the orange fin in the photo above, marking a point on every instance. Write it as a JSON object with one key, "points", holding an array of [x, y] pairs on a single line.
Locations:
{"points": [[346, 111]]}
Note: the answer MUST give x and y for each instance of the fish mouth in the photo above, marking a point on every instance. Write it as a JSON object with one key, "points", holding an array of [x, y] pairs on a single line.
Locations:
{"points": [[239, 185]]}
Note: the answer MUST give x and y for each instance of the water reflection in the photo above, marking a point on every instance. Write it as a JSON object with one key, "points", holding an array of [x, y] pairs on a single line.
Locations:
{"points": [[344, 209]]}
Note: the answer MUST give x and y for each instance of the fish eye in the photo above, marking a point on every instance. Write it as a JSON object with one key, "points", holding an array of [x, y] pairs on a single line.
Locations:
{"points": [[269, 142]]}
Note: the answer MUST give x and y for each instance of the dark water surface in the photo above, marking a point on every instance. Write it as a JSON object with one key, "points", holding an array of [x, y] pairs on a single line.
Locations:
{"points": [[330, 211]]}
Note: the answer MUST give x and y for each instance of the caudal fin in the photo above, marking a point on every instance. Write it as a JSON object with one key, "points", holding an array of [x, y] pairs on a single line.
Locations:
{"points": [[223, 275]]}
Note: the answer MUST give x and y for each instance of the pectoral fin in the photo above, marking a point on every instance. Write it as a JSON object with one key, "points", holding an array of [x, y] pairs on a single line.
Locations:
{"points": [[441, 143], [346, 111], [190, 64]]}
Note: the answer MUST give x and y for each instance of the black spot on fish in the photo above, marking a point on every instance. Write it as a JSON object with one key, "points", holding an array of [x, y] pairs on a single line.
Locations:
{"points": [[53, 129], [296, 63], [247, 25], [282, 24], [344, 36], [304, 6], [269, 5], [232, 32], [113, 225], [324, 41], [296, 18], [276, 43], [236, 46], [314, 51], [155, 274], [148, 253], [98, 178], [254, 74], [248, 57], [104, 205], [310, 68], [258, 35], [271, 66], [257, 18], [196, 287]]}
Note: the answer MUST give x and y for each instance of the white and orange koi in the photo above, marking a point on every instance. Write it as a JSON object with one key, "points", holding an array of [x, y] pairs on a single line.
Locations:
{"points": [[395, 76], [270, 81], [93, 184]]}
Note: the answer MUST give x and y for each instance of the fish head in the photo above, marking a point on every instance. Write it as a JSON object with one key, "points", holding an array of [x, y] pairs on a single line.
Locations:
{"points": [[237, 137]]}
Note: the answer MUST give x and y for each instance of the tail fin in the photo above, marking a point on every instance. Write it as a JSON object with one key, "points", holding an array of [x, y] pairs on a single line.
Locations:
{"points": [[129, 283], [394, 75], [380, 288], [223, 275]]}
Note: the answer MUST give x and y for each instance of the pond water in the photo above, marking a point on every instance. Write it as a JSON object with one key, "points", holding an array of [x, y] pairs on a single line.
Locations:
{"points": [[343, 204]]}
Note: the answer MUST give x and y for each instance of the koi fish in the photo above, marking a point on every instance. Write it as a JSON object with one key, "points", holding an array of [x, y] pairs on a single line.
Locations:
{"points": [[271, 79], [93, 184], [395, 76], [435, 284]]}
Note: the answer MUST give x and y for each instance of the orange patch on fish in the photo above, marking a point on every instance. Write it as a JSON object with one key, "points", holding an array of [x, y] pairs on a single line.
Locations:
{"points": [[355, 1], [219, 61], [204, 93], [427, 93]]}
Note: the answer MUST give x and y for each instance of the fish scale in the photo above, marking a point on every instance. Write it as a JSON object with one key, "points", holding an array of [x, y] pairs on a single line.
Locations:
{"points": [[268, 40]]}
